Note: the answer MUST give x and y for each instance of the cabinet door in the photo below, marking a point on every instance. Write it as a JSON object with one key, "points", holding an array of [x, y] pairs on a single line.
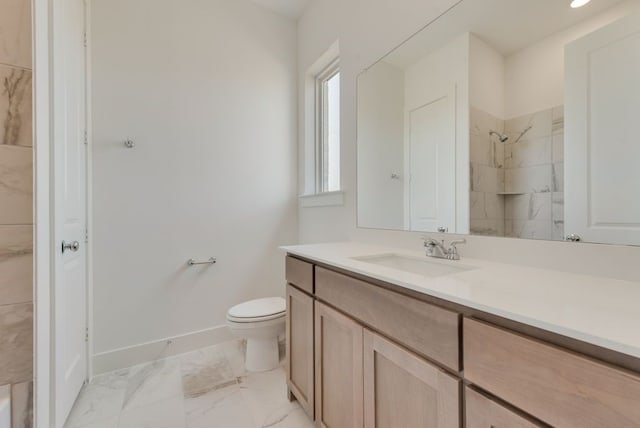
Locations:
{"points": [[402, 390], [338, 369], [300, 348]]}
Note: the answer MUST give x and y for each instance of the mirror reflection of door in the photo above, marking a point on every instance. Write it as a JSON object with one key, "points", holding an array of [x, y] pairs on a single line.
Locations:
{"points": [[413, 140], [432, 165], [602, 111]]}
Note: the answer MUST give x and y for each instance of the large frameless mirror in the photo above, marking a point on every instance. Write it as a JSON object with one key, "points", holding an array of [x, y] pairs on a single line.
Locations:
{"points": [[510, 118]]}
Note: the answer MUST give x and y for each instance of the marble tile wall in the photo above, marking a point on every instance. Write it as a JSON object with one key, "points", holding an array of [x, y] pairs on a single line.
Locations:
{"points": [[517, 187], [16, 208], [487, 175], [534, 175]]}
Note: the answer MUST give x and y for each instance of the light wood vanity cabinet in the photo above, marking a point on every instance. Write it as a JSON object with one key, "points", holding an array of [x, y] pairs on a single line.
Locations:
{"points": [[338, 363], [362, 355], [558, 387], [299, 343], [403, 390], [362, 379], [426, 329], [300, 274]]}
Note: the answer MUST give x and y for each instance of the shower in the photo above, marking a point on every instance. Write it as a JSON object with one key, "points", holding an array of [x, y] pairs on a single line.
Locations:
{"points": [[502, 137]]}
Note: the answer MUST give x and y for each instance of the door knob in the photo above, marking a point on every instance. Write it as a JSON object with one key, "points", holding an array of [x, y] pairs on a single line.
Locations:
{"points": [[72, 246]]}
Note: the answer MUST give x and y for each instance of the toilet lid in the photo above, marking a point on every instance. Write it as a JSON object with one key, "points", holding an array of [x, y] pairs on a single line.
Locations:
{"points": [[259, 308]]}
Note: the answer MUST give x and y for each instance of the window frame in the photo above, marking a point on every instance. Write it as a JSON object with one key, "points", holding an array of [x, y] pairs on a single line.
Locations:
{"points": [[321, 125]]}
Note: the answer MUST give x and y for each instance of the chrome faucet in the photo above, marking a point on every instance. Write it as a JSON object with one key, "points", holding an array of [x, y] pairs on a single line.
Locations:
{"points": [[437, 249]]}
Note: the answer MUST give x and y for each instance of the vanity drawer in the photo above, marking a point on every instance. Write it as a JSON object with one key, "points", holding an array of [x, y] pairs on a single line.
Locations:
{"points": [[554, 385], [424, 328], [299, 273], [482, 412]]}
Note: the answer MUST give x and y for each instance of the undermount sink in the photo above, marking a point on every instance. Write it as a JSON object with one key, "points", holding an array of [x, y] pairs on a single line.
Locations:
{"points": [[420, 266]]}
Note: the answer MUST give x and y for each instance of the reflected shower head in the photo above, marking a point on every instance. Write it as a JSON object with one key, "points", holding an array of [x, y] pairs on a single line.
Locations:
{"points": [[502, 137]]}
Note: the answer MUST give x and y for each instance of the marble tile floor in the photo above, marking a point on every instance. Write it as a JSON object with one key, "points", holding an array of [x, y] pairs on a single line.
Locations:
{"points": [[207, 388]]}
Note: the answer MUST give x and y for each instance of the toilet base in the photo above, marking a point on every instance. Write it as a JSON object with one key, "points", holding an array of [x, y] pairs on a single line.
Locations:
{"points": [[262, 354], [262, 342]]}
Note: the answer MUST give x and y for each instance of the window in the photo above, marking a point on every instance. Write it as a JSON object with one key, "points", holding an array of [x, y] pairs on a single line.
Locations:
{"points": [[328, 129], [321, 180]]}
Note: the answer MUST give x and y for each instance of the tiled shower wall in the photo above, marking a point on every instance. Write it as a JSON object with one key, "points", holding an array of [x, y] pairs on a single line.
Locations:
{"points": [[16, 208], [517, 187], [487, 175], [534, 173]]}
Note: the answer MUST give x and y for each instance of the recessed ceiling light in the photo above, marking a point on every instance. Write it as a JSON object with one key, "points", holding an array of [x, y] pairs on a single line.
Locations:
{"points": [[579, 3]]}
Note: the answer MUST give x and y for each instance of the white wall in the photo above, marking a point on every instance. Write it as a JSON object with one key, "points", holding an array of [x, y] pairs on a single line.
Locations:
{"points": [[362, 42], [365, 35], [534, 76], [381, 143], [206, 89], [486, 77]]}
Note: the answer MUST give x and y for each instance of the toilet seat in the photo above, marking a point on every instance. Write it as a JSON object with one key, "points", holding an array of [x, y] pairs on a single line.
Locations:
{"points": [[258, 310]]}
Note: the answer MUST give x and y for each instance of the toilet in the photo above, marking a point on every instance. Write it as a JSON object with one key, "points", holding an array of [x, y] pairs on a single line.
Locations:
{"points": [[261, 322]]}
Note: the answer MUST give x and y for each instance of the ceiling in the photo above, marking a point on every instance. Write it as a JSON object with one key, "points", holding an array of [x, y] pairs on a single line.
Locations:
{"points": [[507, 25], [289, 8]]}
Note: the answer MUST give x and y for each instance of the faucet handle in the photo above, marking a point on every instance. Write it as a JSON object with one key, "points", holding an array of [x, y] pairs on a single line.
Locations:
{"points": [[428, 241], [432, 246], [452, 253]]}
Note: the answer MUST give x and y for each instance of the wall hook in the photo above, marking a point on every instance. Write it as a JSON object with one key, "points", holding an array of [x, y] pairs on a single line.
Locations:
{"points": [[129, 144]]}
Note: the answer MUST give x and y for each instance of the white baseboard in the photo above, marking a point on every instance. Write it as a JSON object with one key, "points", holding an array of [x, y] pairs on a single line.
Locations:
{"points": [[130, 356]]}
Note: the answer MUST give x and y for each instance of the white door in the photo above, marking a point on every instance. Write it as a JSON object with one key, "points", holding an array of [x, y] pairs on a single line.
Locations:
{"points": [[70, 207], [432, 201], [602, 151]]}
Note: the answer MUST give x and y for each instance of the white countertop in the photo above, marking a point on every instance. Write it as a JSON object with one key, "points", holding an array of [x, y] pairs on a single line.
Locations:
{"points": [[600, 311]]}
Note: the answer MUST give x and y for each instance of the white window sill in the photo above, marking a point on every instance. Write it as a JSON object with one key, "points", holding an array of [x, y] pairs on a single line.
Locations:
{"points": [[325, 199]]}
